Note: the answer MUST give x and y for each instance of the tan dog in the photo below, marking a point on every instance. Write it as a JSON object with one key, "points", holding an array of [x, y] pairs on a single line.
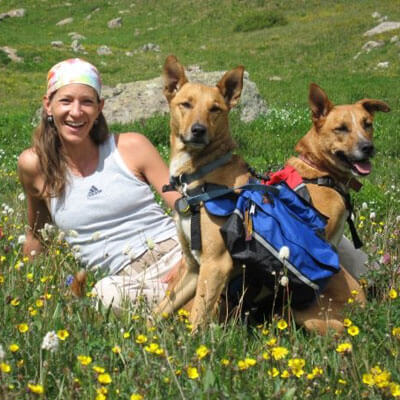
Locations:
{"points": [[199, 136], [339, 145]]}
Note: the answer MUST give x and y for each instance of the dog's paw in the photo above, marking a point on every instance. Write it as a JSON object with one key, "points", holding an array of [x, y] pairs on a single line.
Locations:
{"points": [[322, 326]]}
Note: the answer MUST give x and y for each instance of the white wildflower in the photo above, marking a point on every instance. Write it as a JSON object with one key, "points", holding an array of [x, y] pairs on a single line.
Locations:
{"points": [[21, 197], [73, 233], [49, 227], [33, 253], [364, 206], [372, 216], [50, 341], [284, 253], [21, 239], [2, 353], [61, 236], [284, 281]]}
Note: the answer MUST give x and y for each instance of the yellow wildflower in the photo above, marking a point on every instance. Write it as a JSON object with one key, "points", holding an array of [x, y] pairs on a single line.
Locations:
{"points": [[225, 362], [393, 294], [104, 379], [15, 302], [116, 349], [39, 303], [279, 352], [344, 348], [272, 342], [127, 335], [273, 372], [99, 370], [136, 396], [5, 368], [62, 334], [13, 348], [193, 373], [37, 389], [202, 351], [266, 355], [396, 332], [368, 379], [394, 389], [23, 328], [353, 330], [282, 324], [296, 366], [141, 339], [347, 322], [285, 374], [84, 360]]}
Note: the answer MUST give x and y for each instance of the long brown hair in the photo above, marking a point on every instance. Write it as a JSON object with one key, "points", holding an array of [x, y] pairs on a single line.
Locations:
{"points": [[52, 160]]}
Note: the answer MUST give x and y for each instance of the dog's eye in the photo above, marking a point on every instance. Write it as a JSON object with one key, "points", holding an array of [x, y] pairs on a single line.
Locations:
{"points": [[367, 124], [215, 109], [342, 128], [186, 105]]}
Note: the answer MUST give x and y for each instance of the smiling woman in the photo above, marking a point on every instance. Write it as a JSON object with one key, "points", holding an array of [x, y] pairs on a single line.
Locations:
{"points": [[95, 188]]}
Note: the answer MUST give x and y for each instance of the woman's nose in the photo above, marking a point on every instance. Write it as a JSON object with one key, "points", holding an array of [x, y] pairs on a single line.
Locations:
{"points": [[76, 109]]}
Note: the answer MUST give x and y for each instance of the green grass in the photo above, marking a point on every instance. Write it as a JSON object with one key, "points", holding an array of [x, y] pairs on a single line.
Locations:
{"points": [[318, 44]]}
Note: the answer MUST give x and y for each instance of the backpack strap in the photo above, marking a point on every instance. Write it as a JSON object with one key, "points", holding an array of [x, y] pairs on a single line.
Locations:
{"points": [[329, 182]]}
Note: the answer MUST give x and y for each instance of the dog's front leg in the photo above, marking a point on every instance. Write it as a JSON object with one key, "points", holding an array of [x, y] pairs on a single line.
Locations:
{"points": [[214, 275]]}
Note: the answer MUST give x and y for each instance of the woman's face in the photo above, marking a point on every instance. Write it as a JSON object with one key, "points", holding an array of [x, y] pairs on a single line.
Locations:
{"points": [[74, 108]]}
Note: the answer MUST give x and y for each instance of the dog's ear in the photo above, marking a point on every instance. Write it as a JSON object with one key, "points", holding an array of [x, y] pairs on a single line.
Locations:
{"points": [[319, 103], [174, 77], [372, 105], [231, 85]]}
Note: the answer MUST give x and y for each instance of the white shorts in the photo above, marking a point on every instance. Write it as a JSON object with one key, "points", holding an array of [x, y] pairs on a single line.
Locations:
{"points": [[143, 277]]}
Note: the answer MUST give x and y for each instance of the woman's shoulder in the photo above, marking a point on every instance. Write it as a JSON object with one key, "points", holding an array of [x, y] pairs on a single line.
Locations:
{"points": [[132, 140], [28, 162]]}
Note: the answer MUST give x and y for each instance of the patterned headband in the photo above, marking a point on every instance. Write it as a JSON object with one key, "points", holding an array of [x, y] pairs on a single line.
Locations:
{"points": [[73, 70]]}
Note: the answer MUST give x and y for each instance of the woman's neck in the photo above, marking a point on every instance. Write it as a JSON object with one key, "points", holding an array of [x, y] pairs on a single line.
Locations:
{"points": [[82, 159]]}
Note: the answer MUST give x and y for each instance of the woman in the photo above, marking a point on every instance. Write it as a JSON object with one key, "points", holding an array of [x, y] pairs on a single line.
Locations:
{"points": [[95, 188]]}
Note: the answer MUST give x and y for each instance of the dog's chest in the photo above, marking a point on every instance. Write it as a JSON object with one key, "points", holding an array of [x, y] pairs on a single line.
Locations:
{"points": [[184, 226], [337, 236]]}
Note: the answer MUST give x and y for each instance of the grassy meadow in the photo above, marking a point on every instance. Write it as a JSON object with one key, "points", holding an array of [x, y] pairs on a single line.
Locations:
{"points": [[54, 346]]}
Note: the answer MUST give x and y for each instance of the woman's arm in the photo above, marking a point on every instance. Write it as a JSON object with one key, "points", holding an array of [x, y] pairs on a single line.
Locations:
{"points": [[145, 162], [38, 213]]}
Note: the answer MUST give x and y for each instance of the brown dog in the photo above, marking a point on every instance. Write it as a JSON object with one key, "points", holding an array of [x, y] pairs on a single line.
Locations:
{"points": [[339, 145], [200, 137]]}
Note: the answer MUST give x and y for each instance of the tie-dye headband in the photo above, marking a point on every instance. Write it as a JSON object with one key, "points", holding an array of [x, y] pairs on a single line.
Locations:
{"points": [[73, 70]]}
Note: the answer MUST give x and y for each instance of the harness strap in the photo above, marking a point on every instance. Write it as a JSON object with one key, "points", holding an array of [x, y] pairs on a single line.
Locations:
{"points": [[329, 182]]}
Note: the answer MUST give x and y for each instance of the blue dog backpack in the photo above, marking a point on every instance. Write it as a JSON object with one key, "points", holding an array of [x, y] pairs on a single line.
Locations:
{"points": [[261, 223]]}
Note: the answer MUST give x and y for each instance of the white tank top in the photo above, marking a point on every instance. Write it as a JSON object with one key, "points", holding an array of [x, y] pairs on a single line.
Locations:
{"points": [[111, 216]]}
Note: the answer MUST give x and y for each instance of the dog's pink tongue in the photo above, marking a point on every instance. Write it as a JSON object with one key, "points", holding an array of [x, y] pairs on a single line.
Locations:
{"points": [[363, 168]]}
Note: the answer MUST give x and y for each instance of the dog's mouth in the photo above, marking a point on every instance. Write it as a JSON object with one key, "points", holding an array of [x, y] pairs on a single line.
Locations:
{"points": [[193, 141], [361, 167]]}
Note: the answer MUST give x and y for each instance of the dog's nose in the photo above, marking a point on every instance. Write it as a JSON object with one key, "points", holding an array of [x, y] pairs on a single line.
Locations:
{"points": [[198, 130], [367, 149]]}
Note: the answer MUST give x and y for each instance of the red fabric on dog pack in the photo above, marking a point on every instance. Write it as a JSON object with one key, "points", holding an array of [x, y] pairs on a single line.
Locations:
{"points": [[288, 175]]}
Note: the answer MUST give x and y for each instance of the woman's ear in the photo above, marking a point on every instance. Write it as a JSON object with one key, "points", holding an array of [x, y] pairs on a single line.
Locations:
{"points": [[46, 105]]}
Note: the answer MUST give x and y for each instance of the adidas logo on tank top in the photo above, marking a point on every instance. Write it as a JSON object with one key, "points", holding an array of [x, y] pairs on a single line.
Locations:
{"points": [[93, 191]]}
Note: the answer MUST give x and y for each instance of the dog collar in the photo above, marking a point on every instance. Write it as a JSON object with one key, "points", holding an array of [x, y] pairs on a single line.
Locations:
{"points": [[185, 179], [352, 183]]}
